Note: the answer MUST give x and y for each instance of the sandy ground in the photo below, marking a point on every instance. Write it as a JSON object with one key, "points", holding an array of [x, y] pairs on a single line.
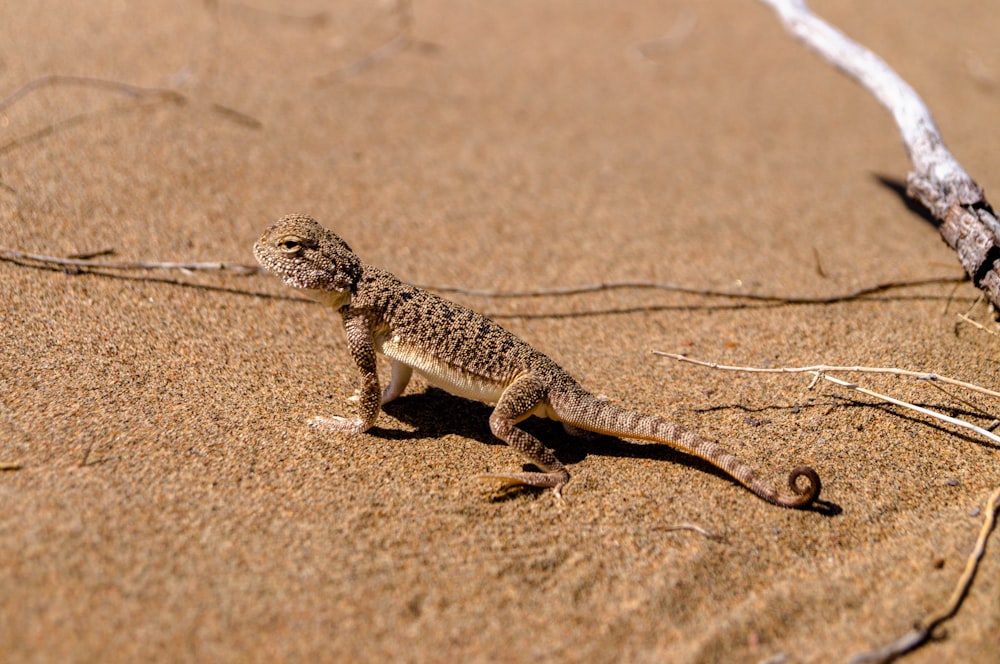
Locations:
{"points": [[172, 505]]}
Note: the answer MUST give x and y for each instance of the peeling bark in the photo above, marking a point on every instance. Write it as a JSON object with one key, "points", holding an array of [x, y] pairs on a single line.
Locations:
{"points": [[965, 219]]}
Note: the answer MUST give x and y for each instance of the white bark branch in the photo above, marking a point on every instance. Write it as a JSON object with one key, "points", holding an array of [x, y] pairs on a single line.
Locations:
{"points": [[966, 221]]}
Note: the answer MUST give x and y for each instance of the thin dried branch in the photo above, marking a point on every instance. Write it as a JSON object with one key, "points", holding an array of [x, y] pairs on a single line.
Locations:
{"points": [[688, 290], [54, 80], [63, 124], [84, 263], [819, 371], [693, 528], [965, 319], [395, 45], [126, 89], [924, 631], [919, 409], [830, 368], [974, 408], [681, 31], [402, 40], [966, 220]]}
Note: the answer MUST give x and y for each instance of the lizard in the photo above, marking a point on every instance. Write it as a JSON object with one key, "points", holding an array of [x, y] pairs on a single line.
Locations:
{"points": [[468, 354]]}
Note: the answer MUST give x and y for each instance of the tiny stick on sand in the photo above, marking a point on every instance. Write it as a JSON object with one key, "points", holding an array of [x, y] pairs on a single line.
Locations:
{"points": [[924, 630]]}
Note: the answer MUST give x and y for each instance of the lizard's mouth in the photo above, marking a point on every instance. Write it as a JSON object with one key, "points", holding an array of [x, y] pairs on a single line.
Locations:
{"points": [[268, 261], [331, 298], [315, 284]]}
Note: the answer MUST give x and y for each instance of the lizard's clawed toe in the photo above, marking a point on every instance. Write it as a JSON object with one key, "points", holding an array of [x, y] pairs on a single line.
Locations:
{"points": [[554, 481]]}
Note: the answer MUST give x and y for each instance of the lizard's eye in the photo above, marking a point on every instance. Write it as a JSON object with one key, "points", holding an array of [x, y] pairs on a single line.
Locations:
{"points": [[290, 245]]}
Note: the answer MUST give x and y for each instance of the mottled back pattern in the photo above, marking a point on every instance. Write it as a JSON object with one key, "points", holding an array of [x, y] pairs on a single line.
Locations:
{"points": [[446, 330]]}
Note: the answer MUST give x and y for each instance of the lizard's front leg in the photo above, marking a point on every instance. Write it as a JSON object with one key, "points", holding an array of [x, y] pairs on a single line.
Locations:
{"points": [[401, 374], [515, 404], [361, 344]]}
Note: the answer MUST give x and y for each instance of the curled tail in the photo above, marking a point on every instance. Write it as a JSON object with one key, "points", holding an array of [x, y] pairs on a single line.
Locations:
{"points": [[688, 441], [593, 415]]}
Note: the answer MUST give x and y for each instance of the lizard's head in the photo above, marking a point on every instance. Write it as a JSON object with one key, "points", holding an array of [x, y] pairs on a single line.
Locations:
{"points": [[306, 255]]}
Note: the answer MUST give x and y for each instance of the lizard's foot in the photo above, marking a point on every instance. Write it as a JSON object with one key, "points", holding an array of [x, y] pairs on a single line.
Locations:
{"points": [[338, 424], [554, 480]]}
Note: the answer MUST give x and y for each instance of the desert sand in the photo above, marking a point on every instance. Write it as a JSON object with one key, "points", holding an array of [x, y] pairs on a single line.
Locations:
{"points": [[168, 502]]}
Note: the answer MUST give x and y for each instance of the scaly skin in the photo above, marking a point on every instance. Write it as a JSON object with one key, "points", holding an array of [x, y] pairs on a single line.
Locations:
{"points": [[467, 354]]}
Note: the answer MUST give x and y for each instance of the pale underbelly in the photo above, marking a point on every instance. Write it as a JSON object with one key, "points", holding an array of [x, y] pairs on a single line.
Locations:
{"points": [[441, 374]]}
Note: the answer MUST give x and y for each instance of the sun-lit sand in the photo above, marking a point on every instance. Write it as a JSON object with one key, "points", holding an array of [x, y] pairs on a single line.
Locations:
{"points": [[172, 505]]}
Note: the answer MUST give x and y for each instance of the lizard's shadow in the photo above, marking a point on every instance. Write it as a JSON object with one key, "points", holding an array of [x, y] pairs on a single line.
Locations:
{"points": [[434, 413]]}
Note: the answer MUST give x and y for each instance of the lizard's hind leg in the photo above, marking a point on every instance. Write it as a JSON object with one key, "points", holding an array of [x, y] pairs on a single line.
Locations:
{"points": [[516, 403], [400, 379]]}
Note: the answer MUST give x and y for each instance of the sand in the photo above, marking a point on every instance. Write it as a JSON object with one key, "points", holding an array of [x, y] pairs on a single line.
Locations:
{"points": [[172, 505]]}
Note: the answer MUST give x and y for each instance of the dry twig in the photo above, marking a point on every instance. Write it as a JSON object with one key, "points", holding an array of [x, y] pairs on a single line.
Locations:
{"points": [[693, 528], [54, 80], [133, 91], [825, 368], [689, 290], [84, 263], [821, 370], [680, 32], [402, 40], [924, 630], [979, 326], [966, 220], [919, 409]]}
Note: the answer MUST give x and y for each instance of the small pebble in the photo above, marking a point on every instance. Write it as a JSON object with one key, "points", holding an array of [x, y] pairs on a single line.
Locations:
{"points": [[952, 482], [974, 511]]}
